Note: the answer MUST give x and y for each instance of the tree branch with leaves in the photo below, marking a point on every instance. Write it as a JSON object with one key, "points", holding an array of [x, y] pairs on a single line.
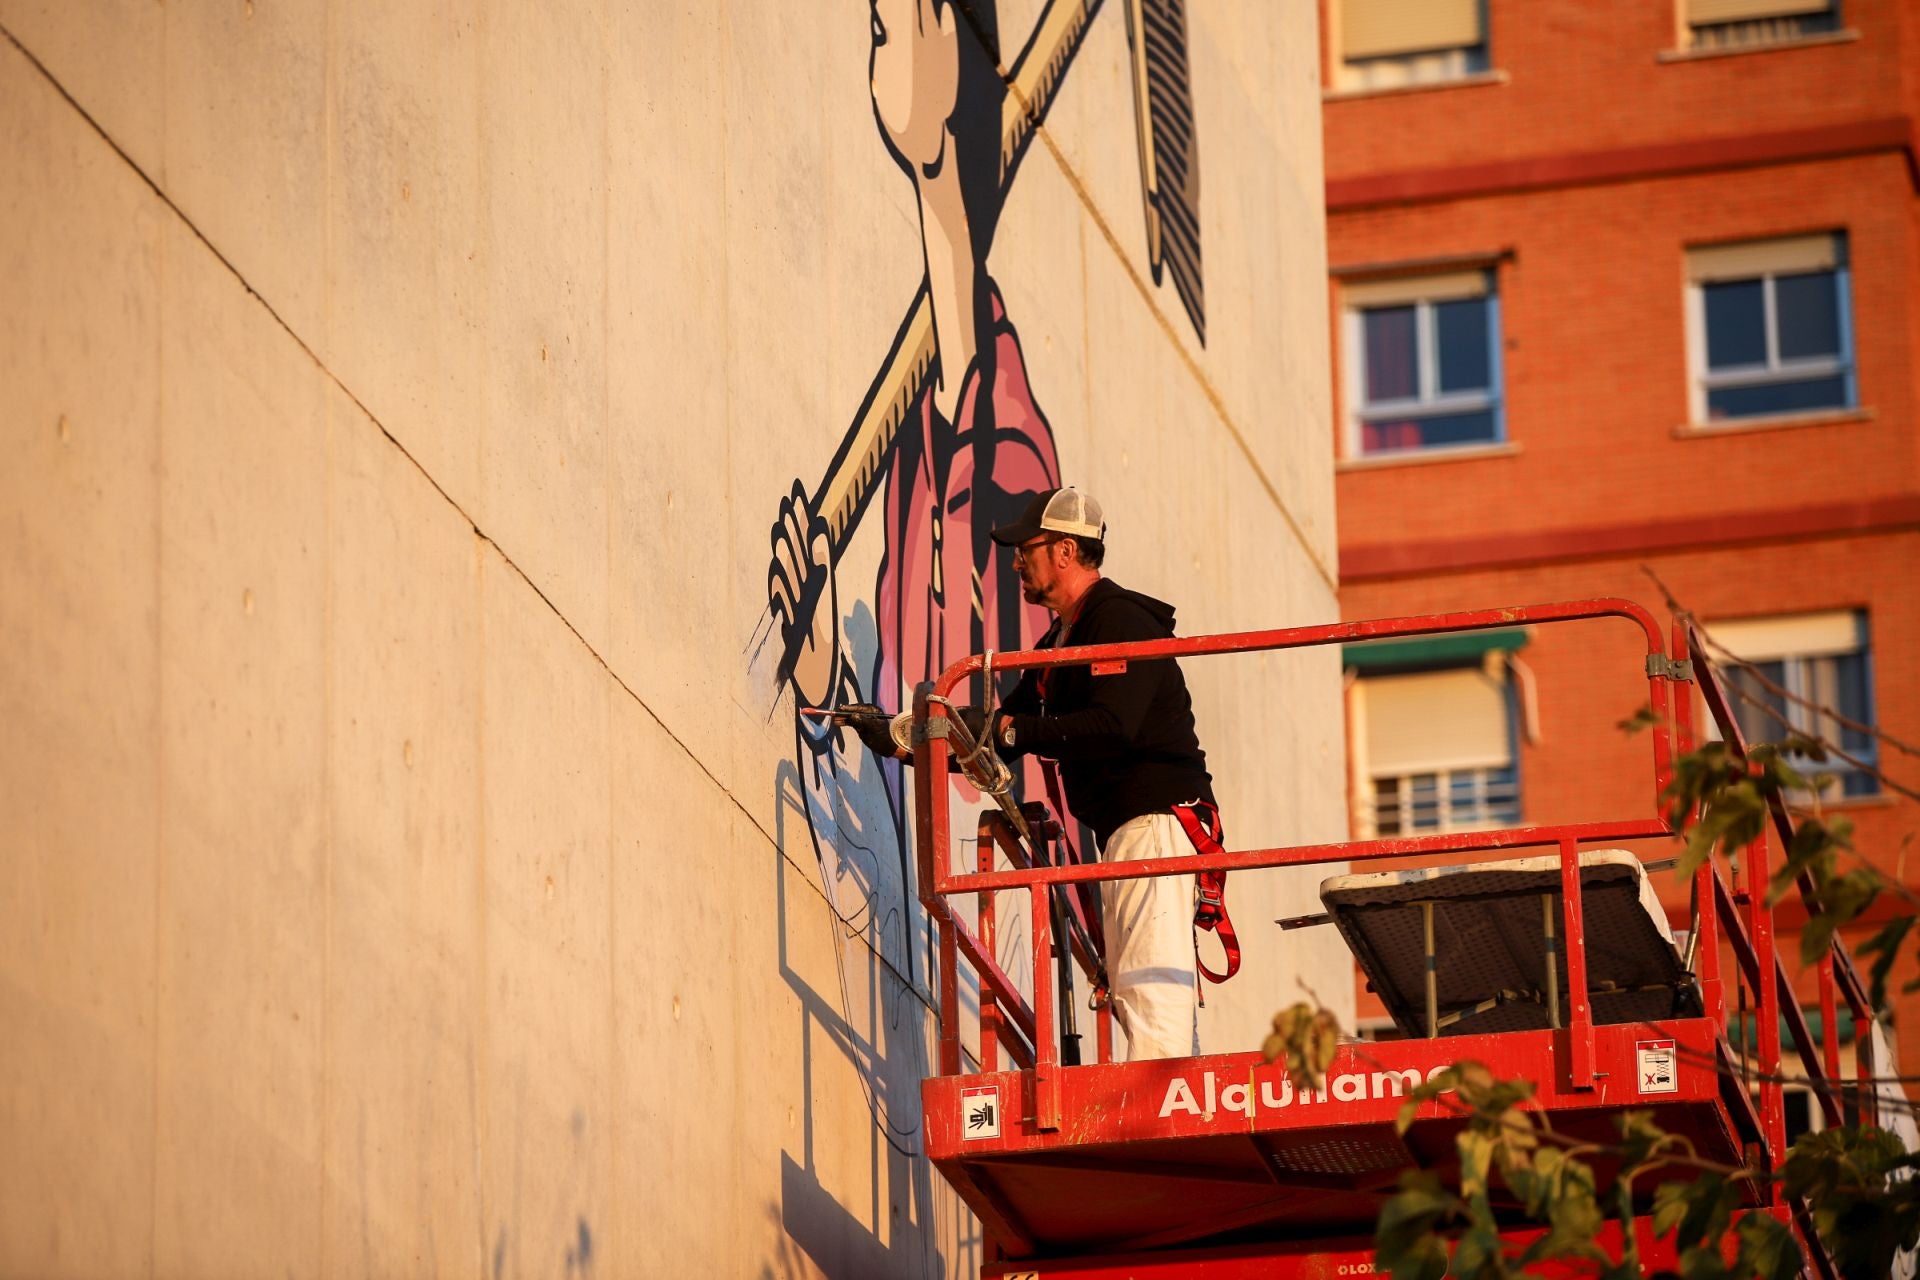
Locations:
{"points": [[1857, 1184]]}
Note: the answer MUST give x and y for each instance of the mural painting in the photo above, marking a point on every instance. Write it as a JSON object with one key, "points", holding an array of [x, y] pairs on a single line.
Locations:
{"points": [[950, 428], [950, 440]]}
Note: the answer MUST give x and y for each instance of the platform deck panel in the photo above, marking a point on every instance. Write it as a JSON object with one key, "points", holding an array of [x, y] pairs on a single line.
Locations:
{"points": [[1153, 1155]]}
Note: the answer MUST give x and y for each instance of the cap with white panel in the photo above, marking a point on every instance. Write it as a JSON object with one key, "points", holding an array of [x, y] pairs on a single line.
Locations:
{"points": [[1065, 511]]}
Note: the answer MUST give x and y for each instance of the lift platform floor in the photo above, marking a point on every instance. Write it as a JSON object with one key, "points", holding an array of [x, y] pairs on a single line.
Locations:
{"points": [[1222, 1150], [1318, 1259]]}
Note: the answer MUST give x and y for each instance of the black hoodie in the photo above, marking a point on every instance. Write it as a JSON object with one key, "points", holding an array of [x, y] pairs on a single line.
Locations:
{"points": [[1126, 741]]}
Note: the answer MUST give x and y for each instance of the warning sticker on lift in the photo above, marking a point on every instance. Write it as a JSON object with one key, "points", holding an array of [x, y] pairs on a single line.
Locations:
{"points": [[1654, 1060], [980, 1112]]}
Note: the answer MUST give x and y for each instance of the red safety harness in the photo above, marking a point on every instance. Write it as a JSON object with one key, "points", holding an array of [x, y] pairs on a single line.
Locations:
{"points": [[1202, 822]]}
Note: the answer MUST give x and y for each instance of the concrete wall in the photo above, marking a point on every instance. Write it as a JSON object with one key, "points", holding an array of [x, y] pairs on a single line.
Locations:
{"points": [[411, 859]]}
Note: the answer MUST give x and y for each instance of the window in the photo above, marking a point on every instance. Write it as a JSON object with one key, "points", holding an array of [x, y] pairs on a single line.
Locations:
{"points": [[1771, 327], [1423, 363], [1822, 659], [1803, 1115], [1438, 751], [1733, 24], [1386, 44]]}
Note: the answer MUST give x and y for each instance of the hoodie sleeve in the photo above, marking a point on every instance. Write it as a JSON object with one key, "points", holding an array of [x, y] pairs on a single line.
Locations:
{"points": [[1118, 708]]}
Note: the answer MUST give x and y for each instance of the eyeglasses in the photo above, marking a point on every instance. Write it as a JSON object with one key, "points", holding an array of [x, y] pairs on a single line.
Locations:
{"points": [[1026, 550]]}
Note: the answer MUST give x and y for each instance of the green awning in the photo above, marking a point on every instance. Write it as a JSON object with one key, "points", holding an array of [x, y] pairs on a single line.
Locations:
{"points": [[1743, 1031], [1456, 648]]}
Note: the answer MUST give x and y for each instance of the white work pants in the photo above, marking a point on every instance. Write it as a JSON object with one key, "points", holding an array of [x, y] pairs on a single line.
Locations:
{"points": [[1149, 931]]}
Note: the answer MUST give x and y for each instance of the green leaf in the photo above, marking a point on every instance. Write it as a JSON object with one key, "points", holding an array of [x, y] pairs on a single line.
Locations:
{"points": [[1842, 899], [1324, 1043], [1746, 812], [1476, 1154], [1670, 1202], [1532, 1181], [1405, 1245], [1478, 1254], [1444, 1082], [1628, 1268], [1425, 1259], [1640, 1139], [1644, 718], [1573, 1216], [1816, 936], [1864, 1201], [1702, 837], [1884, 946], [1768, 1250], [1307, 1038], [1812, 849], [1516, 1132], [1698, 1211]]}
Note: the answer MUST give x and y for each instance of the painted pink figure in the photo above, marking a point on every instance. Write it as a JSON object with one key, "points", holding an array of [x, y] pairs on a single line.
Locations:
{"points": [[973, 447], [946, 589]]}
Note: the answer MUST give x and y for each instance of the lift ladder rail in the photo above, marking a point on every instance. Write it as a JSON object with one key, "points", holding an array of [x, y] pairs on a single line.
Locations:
{"points": [[1726, 913]]}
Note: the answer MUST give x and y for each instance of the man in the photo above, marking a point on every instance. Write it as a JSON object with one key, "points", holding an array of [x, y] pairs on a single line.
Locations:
{"points": [[1129, 758]]}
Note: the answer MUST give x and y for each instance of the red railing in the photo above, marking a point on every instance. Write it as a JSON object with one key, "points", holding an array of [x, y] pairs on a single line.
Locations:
{"points": [[1835, 973], [1736, 915]]}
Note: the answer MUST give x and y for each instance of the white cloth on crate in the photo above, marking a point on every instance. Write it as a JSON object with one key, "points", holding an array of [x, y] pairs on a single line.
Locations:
{"points": [[1151, 971]]}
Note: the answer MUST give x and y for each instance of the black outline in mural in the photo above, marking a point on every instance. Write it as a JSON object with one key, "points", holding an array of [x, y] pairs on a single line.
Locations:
{"points": [[1170, 198], [1169, 152], [959, 454]]}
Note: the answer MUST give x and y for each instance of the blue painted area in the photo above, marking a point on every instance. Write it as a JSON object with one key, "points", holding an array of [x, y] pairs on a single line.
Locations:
{"points": [[580, 1252]]}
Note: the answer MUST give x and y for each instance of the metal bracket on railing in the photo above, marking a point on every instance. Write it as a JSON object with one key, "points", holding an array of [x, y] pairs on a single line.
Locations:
{"points": [[1661, 667], [1304, 922], [935, 727]]}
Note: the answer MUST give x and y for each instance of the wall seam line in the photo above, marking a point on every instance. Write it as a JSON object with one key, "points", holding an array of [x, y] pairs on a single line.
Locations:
{"points": [[327, 639], [478, 532], [159, 727]]}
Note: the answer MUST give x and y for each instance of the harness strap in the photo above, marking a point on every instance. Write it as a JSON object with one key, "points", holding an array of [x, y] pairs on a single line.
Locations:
{"points": [[1202, 823], [1083, 900]]}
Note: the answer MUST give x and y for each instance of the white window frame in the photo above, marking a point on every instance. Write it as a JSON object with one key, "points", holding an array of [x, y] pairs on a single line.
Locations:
{"points": [[1444, 768], [1477, 815], [1797, 679], [1421, 293], [1418, 67], [1758, 30], [1775, 370]]}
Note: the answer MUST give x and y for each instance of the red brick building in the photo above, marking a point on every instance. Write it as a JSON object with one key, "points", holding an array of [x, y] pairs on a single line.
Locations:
{"points": [[1623, 285]]}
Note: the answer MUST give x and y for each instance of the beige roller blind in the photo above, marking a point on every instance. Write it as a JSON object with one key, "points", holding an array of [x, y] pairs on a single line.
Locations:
{"points": [[1440, 288], [1700, 12], [1751, 258], [1383, 28], [1800, 635], [1435, 720]]}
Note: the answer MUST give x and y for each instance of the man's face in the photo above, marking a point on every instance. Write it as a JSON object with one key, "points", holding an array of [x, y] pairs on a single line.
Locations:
{"points": [[914, 74], [1040, 562]]}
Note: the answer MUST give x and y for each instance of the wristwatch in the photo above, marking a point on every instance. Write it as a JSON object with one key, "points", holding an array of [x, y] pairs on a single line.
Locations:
{"points": [[1006, 731]]}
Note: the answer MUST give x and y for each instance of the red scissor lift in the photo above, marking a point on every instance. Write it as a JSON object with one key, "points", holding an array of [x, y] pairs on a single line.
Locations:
{"points": [[1212, 1166]]}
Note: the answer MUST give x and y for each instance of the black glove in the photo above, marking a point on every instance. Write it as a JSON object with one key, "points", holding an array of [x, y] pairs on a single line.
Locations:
{"points": [[874, 727], [975, 718]]}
